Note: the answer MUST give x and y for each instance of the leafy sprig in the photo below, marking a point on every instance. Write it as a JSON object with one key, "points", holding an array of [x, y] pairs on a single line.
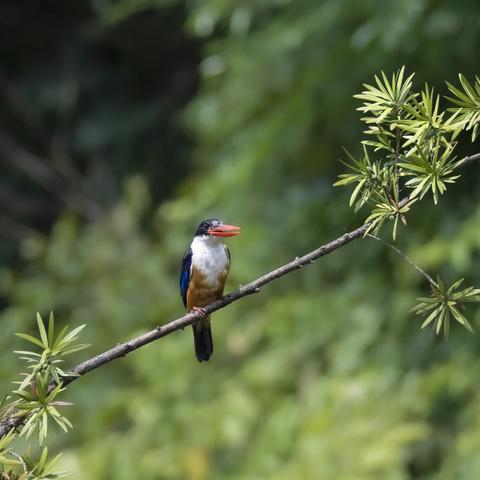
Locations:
{"points": [[445, 303], [40, 404], [425, 123], [413, 144], [413, 138], [53, 347], [431, 170], [467, 104], [386, 211], [387, 100], [43, 468], [371, 178], [6, 451], [36, 401]]}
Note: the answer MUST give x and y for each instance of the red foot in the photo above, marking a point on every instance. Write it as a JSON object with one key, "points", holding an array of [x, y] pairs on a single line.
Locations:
{"points": [[199, 310]]}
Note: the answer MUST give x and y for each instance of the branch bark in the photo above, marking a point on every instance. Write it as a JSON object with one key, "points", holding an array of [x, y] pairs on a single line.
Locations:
{"points": [[11, 420], [468, 160]]}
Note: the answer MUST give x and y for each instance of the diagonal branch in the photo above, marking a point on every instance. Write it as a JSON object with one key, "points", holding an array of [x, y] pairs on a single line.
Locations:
{"points": [[467, 160], [12, 420]]}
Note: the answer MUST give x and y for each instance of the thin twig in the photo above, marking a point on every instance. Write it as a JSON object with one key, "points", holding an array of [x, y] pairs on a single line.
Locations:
{"points": [[429, 279], [21, 460]]}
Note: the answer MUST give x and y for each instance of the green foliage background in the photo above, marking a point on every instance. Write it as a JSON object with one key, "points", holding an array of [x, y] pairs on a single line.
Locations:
{"points": [[187, 110]]}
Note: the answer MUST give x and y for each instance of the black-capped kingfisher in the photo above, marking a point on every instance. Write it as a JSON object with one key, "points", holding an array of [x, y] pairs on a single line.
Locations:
{"points": [[205, 268]]}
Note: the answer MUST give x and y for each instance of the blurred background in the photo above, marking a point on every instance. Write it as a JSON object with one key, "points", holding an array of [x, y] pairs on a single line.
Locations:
{"points": [[123, 123]]}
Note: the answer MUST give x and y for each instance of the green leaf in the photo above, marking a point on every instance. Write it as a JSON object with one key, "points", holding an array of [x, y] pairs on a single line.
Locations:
{"points": [[51, 329], [356, 191], [454, 286], [43, 332], [440, 320], [31, 339], [461, 318], [345, 180], [71, 336], [431, 317], [410, 166], [9, 461]]}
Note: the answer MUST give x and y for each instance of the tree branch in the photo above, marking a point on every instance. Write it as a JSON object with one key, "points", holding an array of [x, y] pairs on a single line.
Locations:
{"points": [[13, 420], [468, 160]]}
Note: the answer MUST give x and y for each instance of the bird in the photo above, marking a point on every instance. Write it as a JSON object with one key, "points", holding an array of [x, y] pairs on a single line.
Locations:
{"points": [[205, 267]]}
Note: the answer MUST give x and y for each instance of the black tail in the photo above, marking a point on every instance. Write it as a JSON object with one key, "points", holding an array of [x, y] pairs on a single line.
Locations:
{"points": [[202, 334]]}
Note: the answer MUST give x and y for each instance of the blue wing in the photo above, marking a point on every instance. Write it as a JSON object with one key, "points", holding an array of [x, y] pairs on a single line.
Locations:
{"points": [[185, 275]]}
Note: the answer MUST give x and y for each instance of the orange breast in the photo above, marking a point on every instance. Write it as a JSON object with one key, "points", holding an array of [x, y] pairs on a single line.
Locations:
{"points": [[200, 292]]}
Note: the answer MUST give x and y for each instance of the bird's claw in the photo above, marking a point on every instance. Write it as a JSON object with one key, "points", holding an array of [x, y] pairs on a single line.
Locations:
{"points": [[199, 310]]}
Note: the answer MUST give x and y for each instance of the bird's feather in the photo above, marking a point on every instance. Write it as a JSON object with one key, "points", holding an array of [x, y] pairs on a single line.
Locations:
{"points": [[185, 275], [202, 334]]}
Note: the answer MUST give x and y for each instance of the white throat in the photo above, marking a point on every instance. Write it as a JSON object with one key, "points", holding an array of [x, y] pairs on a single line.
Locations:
{"points": [[209, 255], [205, 241]]}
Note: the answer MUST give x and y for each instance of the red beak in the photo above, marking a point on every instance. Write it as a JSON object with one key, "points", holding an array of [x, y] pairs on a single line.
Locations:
{"points": [[224, 230]]}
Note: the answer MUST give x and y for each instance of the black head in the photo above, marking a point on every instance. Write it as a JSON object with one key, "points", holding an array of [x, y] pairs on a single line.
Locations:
{"points": [[216, 228], [206, 225]]}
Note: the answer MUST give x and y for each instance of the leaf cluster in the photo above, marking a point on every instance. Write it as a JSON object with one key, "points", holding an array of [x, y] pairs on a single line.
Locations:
{"points": [[6, 457], [40, 388], [53, 348], [41, 405], [467, 104], [37, 400], [41, 468], [413, 138], [445, 303]]}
